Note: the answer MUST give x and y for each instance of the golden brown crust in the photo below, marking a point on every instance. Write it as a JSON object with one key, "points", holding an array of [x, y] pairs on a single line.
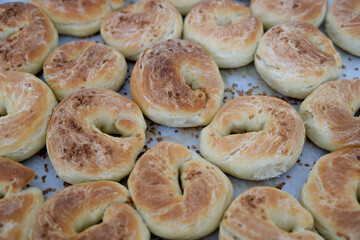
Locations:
{"points": [[226, 30], [13, 176], [343, 25], [77, 146], [17, 207], [266, 213], [84, 64], [176, 83], [273, 12], [20, 24], [269, 137], [78, 17], [294, 58], [331, 194], [141, 25], [328, 115], [169, 212], [69, 213], [26, 104]]}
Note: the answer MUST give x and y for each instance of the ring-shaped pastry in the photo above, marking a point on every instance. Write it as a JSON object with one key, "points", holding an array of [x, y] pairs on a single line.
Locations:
{"points": [[80, 64], [74, 213], [268, 137], [332, 192], [176, 83], [273, 12], [140, 25], [78, 141], [78, 18], [27, 37], [17, 207], [343, 25], [267, 213], [227, 31], [189, 211], [294, 58], [26, 104], [328, 115]]}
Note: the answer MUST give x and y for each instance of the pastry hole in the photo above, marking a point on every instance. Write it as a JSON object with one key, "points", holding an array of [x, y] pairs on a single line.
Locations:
{"points": [[358, 191], [3, 112], [88, 224], [283, 221], [223, 20], [191, 77], [180, 183], [247, 127], [106, 126]]}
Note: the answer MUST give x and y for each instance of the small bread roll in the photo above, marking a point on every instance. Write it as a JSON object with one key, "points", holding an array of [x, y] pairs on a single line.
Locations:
{"points": [[84, 64], [332, 192], [268, 137], [26, 104], [75, 212], [273, 12], [17, 207], [141, 25], [343, 25], [27, 36], [78, 18], [189, 211], [77, 139], [226, 30], [184, 6], [328, 115], [177, 84], [267, 213], [294, 58]]}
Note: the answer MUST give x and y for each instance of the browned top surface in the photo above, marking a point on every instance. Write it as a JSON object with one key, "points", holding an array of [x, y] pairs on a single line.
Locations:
{"points": [[334, 105], [298, 49], [347, 16], [76, 143], [177, 77], [272, 127], [74, 11], [28, 103], [157, 195], [141, 23], [63, 213], [13, 175], [294, 10], [229, 24], [20, 24], [253, 216], [332, 191], [81, 63]]}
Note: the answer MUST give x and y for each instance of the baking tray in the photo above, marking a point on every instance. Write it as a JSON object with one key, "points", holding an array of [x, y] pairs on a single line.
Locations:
{"points": [[242, 81]]}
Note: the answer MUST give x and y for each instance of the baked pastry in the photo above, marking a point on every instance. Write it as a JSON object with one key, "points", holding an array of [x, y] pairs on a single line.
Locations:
{"points": [[254, 138], [75, 213], [78, 18], [77, 139], [20, 24], [84, 64], [141, 25], [328, 115], [184, 6], [294, 58], [189, 211], [26, 104], [331, 194], [176, 83], [343, 25], [267, 213], [273, 12], [17, 207], [226, 30]]}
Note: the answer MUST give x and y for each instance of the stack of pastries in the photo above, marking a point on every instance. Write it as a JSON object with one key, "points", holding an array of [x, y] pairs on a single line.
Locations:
{"points": [[93, 106]]}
